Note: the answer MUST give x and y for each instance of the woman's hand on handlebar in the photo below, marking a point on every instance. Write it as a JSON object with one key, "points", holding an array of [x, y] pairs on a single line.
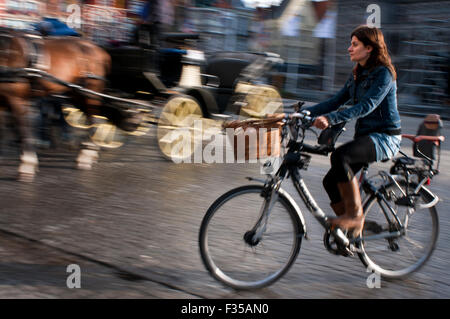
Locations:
{"points": [[321, 122]]}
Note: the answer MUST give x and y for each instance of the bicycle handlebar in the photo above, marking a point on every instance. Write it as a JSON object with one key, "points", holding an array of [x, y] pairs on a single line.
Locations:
{"points": [[306, 120], [304, 115]]}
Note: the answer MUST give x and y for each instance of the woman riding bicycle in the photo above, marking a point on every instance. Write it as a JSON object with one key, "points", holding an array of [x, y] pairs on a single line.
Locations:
{"points": [[371, 88]]}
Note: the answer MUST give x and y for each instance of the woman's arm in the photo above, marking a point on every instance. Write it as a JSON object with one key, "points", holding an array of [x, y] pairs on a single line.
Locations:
{"points": [[370, 101], [331, 104]]}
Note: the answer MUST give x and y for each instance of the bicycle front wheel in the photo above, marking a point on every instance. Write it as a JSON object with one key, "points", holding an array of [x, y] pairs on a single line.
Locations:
{"points": [[398, 256], [226, 250]]}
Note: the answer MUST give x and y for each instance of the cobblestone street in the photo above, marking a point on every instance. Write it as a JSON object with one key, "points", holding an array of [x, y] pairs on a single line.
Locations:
{"points": [[132, 225]]}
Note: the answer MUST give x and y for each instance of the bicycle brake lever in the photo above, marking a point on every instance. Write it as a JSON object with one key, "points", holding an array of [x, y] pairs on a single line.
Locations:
{"points": [[298, 106]]}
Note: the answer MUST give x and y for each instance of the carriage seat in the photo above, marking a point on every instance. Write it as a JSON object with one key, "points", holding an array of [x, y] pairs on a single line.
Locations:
{"points": [[227, 66], [227, 71]]}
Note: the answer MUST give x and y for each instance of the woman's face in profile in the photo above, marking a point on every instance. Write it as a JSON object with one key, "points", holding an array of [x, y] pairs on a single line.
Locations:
{"points": [[358, 51]]}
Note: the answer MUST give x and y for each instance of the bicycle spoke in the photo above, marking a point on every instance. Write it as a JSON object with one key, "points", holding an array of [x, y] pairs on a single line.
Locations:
{"points": [[377, 249], [411, 253], [241, 264], [407, 253], [275, 235], [414, 242]]}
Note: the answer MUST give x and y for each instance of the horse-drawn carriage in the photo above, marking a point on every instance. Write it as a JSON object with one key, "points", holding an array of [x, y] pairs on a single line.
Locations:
{"points": [[228, 89], [191, 87], [209, 90], [74, 69]]}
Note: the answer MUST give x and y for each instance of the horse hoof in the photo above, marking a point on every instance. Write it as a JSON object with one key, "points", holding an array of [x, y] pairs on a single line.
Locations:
{"points": [[26, 178], [86, 159], [84, 166], [27, 171]]}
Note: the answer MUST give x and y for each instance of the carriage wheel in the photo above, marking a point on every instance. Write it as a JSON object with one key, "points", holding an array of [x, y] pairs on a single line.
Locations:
{"points": [[105, 134], [177, 127], [262, 100], [75, 117]]}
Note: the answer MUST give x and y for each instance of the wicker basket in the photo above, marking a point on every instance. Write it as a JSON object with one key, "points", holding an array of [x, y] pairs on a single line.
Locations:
{"points": [[255, 139]]}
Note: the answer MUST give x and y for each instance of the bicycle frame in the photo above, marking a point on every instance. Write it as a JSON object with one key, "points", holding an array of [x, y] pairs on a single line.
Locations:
{"points": [[290, 167], [295, 159]]}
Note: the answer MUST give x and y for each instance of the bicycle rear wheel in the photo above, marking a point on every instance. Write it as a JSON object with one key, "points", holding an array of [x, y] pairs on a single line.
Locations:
{"points": [[399, 256], [226, 250]]}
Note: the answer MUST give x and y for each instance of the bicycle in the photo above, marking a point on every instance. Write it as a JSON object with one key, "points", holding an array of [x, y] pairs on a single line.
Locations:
{"points": [[251, 236]]}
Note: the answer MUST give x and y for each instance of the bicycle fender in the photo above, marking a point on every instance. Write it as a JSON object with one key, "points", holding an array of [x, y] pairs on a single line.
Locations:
{"points": [[297, 210], [433, 199]]}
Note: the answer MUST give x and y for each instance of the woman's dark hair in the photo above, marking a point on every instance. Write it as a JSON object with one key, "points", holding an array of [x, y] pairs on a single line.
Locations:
{"points": [[379, 55]]}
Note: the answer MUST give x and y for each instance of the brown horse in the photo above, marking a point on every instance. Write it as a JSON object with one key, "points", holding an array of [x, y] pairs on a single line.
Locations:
{"points": [[72, 60]]}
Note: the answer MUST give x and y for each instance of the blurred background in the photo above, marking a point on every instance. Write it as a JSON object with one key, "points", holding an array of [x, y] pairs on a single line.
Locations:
{"points": [[132, 222], [312, 37]]}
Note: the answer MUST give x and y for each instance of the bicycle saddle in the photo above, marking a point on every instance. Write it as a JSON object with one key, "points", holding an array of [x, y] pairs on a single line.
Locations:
{"points": [[405, 161]]}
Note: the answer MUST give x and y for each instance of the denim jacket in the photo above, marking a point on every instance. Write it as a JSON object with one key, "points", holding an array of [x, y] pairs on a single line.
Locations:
{"points": [[374, 102]]}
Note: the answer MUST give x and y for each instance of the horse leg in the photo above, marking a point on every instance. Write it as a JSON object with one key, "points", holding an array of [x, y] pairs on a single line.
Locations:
{"points": [[88, 156], [2, 130], [29, 160], [88, 153]]}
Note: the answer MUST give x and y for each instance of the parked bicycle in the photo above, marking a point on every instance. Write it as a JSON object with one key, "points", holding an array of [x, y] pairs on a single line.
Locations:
{"points": [[251, 235]]}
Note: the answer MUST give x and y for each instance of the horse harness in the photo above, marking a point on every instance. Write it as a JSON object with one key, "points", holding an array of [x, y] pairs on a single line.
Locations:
{"points": [[37, 61]]}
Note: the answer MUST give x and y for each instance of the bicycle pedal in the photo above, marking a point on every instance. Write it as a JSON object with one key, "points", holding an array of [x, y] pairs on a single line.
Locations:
{"points": [[350, 250], [346, 252]]}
